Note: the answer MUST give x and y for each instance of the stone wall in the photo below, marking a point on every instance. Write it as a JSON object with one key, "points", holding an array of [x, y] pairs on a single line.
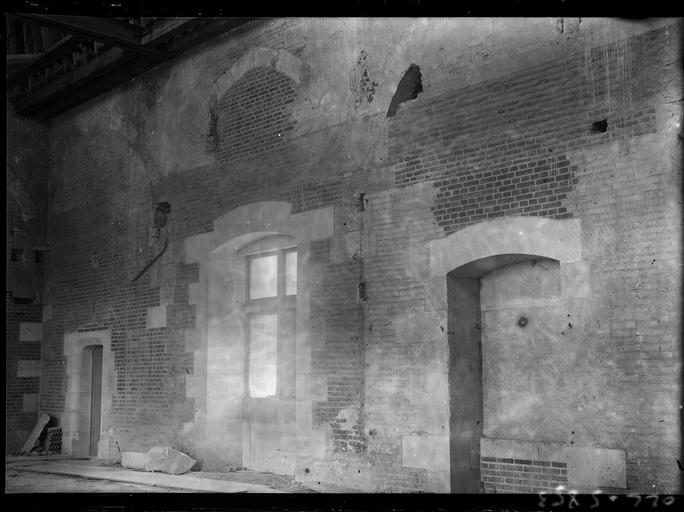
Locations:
{"points": [[504, 127], [25, 259]]}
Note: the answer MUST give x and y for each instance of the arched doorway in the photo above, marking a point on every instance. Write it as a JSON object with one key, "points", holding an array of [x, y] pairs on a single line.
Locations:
{"points": [[503, 342], [504, 290]]}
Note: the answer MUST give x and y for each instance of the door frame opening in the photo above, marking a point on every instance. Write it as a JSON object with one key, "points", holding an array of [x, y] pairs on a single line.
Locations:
{"points": [[466, 385], [76, 418], [460, 259]]}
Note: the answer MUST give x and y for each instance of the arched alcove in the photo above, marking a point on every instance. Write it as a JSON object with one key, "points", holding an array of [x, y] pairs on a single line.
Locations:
{"points": [[254, 97], [487, 264]]}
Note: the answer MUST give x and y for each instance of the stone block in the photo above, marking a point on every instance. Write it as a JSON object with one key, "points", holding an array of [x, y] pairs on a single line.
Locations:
{"points": [[289, 65], [30, 402], [134, 460], [168, 460], [156, 317], [575, 280], [412, 326], [438, 481], [430, 452], [436, 294], [193, 293], [28, 368], [30, 331], [590, 468], [192, 339]]}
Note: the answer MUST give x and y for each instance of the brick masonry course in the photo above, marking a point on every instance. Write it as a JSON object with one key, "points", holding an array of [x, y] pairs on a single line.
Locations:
{"points": [[517, 144]]}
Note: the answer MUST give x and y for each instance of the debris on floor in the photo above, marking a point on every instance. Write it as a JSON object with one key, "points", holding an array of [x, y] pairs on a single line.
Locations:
{"points": [[33, 438], [134, 460], [168, 460], [53, 440], [158, 458]]}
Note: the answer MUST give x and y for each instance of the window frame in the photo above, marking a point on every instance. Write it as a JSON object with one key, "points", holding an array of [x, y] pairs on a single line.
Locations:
{"points": [[280, 304]]}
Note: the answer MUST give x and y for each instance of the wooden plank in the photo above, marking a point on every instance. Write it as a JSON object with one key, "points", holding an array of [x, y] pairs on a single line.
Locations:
{"points": [[37, 40], [11, 35], [35, 434]]}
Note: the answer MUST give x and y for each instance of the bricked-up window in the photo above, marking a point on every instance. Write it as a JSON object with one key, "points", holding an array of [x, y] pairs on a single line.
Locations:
{"points": [[255, 115], [270, 307]]}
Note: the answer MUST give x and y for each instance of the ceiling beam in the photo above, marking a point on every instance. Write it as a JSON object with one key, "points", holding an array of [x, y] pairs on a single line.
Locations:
{"points": [[97, 29], [21, 59], [59, 50]]}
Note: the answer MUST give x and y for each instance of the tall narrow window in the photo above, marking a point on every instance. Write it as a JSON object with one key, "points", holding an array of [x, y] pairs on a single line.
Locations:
{"points": [[270, 306]]}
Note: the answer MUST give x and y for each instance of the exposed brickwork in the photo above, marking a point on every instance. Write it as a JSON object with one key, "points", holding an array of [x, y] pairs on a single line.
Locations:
{"points": [[515, 145], [522, 476], [18, 422], [398, 479], [255, 115], [500, 147], [25, 217], [340, 357]]}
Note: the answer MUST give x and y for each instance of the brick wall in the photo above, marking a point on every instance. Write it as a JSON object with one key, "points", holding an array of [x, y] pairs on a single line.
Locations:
{"points": [[524, 145], [500, 147], [255, 115], [20, 417], [522, 476], [26, 159], [520, 144], [339, 359]]}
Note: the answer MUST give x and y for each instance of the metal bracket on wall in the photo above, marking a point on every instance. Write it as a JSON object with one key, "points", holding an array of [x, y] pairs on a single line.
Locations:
{"points": [[166, 242]]}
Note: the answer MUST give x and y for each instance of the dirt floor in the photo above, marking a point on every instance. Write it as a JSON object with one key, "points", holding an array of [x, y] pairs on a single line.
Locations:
{"points": [[21, 481], [25, 481]]}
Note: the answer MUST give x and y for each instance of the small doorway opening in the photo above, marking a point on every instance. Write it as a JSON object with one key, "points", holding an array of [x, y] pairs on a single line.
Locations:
{"points": [[95, 399], [87, 423]]}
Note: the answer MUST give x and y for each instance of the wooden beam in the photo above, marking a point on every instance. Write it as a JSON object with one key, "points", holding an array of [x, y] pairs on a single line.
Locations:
{"points": [[21, 59], [98, 29], [79, 85], [35, 434], [63, 47]]}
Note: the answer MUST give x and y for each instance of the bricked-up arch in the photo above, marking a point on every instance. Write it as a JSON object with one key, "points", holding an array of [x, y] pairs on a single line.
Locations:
{"points": [[251, 104], [255, 115], [553, 248]]}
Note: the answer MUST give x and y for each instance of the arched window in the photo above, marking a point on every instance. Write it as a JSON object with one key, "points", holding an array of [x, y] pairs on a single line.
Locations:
{"points": [[269, 316]]}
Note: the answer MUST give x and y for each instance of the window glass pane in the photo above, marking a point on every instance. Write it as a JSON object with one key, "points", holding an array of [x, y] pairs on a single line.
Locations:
{"points": [[291, 273], [262, 355], [263, 276]]}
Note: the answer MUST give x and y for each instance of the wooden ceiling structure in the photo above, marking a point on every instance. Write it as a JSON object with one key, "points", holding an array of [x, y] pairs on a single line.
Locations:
{"points": [[56, 62]]}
